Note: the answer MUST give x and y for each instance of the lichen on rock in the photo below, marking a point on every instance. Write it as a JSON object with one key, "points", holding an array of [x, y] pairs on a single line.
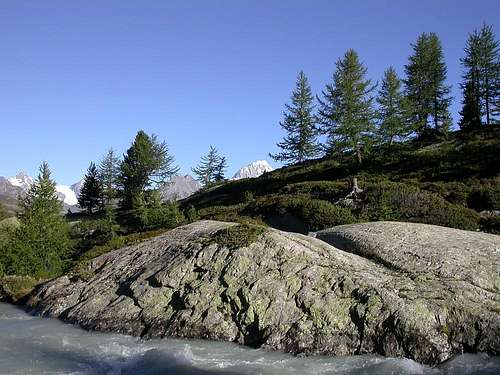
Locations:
{"points": [[291, 292]]}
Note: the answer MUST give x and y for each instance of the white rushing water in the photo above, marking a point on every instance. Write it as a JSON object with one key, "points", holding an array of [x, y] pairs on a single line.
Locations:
{"points": [[35, 345]]}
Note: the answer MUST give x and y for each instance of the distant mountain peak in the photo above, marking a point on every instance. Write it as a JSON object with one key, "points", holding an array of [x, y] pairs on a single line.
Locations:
{"points": [[252, 170], [21, 180]]}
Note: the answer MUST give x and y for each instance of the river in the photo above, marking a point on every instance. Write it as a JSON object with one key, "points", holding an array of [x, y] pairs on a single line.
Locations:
{"points": [[35, 345]]}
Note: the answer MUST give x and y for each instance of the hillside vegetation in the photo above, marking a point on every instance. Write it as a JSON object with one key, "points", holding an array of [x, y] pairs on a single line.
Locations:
{"points": [[453, 182]]}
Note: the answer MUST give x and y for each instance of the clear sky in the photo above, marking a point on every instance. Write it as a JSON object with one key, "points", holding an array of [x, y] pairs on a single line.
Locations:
{"points": [[77, 77]]}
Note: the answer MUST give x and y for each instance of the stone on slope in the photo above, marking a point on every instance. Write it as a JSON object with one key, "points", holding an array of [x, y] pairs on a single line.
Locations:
{"points": [[283, 291]]}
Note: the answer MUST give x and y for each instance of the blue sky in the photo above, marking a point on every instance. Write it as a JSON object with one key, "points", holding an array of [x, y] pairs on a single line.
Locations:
{"points": [[78, 77]]}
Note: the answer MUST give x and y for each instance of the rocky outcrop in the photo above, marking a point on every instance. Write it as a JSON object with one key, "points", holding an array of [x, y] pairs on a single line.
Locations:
{"points": [[417, 291]]}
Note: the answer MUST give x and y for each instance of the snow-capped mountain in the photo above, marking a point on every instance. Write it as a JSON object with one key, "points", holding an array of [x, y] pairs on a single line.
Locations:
{"points": [[21, 180], [252, 170], [20, 183], [179, 187]]}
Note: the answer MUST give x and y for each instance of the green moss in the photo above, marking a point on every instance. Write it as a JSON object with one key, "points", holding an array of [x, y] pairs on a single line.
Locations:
{"points": [[233, 237]]}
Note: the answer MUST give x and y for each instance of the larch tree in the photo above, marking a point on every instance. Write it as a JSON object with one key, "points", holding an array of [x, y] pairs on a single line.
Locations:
{"points": [[299, 123], [489, 72], [392, 109], [209, 167], [346, 110], [146, 165], [425, 86]]}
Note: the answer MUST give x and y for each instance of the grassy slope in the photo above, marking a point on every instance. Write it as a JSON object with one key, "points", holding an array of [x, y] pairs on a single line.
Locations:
{"points": [[445, 183]]}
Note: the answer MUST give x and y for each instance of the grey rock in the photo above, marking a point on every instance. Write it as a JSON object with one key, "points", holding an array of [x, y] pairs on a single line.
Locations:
{"points": [[406, 290], [179, 187]]}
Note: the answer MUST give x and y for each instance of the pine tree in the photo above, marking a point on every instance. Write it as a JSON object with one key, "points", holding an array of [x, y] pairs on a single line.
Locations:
{"points": [[90, 196], [40, 244], [391, 109], [109, 171], [220, 169], [146, 165], [209, 167], [300, 124], [426, 90], [346, 111]]}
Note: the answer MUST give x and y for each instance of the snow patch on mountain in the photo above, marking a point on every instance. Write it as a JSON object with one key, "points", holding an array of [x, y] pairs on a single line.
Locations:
{"points": [[252, 170], [66, 195], [21, 180]]}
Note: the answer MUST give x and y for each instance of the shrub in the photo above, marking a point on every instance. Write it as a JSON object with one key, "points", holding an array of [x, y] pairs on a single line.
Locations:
{"points": [[400, 202], [327, 190], [248, 196], [235, 236], [166, 215], [191, 214], [300, 213], [485, 198]]}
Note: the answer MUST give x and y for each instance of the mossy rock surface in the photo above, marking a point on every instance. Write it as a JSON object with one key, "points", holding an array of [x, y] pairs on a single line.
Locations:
{"points": [[284, 291]]}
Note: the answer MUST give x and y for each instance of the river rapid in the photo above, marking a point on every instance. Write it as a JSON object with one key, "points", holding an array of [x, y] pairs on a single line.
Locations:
{"points": [[34, 345]]}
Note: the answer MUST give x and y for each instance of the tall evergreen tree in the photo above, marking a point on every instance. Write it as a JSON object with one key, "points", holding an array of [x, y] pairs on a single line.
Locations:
{"points": [[90, 196], [209, 167], [109, 172], [392, 108], [489, 71], [220, 169], [425, 86], [40, 244], [300, 124], [346, 110], [146, 165]]}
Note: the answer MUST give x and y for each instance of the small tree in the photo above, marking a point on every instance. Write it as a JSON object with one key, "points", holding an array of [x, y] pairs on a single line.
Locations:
{"points": [[146, 165], [391, 111], [109, 171], [346, 110], [211, 167], [3, 212], [91, 193], [299, 122], [40, 244]]}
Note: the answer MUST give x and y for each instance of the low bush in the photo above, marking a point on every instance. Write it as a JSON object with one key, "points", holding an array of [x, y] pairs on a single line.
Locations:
{"points": [[233, 237], [166, 215], [486, 197], [400, 202], [300, 213]]}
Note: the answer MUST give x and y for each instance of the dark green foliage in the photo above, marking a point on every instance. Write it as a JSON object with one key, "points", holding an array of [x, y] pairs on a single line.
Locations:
{"points": [[41, 243], [299, 123], [109, 172], [426, 90], [346, 113], [165, 215], [146, 165], [191, 214], [236, 236], [300, 213], [248, 196], [400, 202], [392, 109], [485, 198], [90, 196], [3, 212], [211, 167]]}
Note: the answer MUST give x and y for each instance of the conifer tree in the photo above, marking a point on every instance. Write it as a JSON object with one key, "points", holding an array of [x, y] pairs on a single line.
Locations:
{"points": [[489, 71], [109, 170], [426, 90], [40, 244], [392, 109], [299, 122], [146, 165], [220, 169], [210, 167], [346, 110], [90, 196]]}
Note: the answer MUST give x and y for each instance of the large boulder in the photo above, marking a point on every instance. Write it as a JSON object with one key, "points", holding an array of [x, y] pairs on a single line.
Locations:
{"points": [[264, 287]]}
